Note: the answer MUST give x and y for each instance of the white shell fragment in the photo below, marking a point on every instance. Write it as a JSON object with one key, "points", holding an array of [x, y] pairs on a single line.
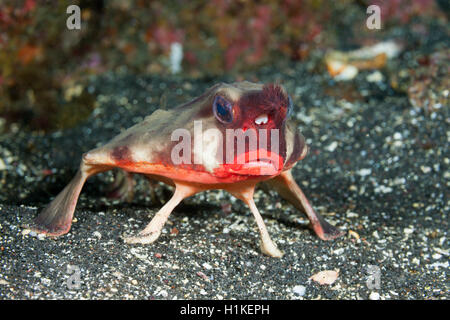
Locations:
{"points": [[344, 66], [325, 277]]}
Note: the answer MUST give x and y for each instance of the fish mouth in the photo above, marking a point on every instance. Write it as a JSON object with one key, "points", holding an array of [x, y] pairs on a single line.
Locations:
{"points": [[257, 163]]}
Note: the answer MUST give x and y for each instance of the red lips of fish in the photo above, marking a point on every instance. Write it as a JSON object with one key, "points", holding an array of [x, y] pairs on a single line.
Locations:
{"points": [[258, 162]]}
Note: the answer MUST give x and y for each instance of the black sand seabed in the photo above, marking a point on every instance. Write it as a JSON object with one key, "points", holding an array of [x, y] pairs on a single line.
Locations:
{"points": [[377, 168]]}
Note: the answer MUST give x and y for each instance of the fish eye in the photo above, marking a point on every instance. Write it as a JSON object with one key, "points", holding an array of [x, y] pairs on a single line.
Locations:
{"points": [[223, 109]]}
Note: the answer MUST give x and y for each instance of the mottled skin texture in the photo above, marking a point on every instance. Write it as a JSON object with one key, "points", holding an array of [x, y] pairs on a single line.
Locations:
{"points": [[147, 148]]}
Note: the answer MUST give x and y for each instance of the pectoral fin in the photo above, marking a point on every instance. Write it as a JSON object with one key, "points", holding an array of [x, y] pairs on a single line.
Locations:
{"points": [[286, 186], [56, 219]]}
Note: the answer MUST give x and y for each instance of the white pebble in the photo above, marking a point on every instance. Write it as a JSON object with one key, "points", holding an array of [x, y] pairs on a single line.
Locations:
{"points": [[299, 290], [352, 215], [438, 265], [98, 235], [207, 266], [442, 251], [2, 165], [383, 189], [425, 169], [332, 146], [376, 76], [364, 172], [437, 256], [163, 293], [374, 296], [398, 136]]}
